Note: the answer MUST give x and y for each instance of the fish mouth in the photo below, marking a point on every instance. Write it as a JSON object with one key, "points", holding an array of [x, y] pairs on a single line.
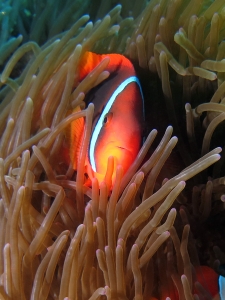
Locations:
{"points": [[117, 144], [120, 147], [124, 149], [122, 156]]}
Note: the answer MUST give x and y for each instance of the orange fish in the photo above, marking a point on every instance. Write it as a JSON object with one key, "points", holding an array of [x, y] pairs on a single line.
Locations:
{"points": [[118, 116], [213, 283]]}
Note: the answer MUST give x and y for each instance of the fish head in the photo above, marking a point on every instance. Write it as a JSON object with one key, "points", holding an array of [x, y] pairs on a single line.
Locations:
{"points": [[117, 130]]}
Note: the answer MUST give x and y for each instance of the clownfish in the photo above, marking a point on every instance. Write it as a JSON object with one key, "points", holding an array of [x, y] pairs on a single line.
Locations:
{"points": [[212, 282], [209, 279], [117, 120]]}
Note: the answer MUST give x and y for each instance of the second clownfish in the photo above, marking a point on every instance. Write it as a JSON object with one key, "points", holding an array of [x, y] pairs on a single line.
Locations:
{"points": [[118, 116], [212, 283]]}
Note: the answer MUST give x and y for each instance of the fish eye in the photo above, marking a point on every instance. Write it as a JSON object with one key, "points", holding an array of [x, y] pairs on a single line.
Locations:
{"points": [[107, 118]]}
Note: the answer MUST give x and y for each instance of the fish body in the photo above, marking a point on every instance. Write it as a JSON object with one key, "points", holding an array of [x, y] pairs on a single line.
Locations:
{"points": [[118, 116]]}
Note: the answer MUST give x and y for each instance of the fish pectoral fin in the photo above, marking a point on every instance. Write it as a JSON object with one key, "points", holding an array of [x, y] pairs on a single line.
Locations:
{"points": [[76, 134]]}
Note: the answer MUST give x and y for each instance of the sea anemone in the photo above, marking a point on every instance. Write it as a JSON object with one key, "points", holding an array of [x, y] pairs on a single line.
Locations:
{"points": [[61, 239]]}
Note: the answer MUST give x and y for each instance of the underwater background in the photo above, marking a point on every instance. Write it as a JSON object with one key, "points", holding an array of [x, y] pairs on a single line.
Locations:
{"points": [[158, 233]]}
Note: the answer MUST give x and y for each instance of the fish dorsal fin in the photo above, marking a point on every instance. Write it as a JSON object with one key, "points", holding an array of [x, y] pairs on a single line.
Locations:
{"points": [[76, 134], [88, 62]]}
